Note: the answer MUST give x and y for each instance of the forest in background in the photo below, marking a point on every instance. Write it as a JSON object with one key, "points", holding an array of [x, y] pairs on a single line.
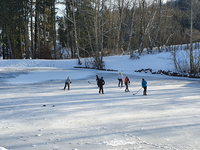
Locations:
{"points": [[96, 28]]}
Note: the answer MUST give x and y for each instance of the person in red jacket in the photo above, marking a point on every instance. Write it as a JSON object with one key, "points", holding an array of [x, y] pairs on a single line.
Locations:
{"points": [[127, 82]]}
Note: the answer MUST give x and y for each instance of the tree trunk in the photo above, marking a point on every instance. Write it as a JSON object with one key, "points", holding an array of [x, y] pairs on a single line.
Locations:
{"points": [[26, 23], [75, 34], [97, 61], [192, 72], [131, 29], [102, 39], [141, 38], [54, 28], [157, 28], [44, 26], [121, 8], [10, 45], [20, 37], [37, 32], [32, 39], [3, 36]]}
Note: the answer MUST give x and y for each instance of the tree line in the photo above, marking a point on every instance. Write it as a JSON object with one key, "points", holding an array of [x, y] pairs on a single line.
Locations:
{"points": [[28, 28], [95, 28]]}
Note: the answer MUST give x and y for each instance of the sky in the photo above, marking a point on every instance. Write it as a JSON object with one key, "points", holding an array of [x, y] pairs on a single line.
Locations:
{"points": [[61, 8]]}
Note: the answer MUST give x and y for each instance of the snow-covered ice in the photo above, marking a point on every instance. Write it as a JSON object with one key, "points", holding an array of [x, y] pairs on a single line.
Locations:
{"points": [[35, 114]]}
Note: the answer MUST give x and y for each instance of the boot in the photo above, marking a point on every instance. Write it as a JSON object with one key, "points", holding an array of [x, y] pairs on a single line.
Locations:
{"points": [[127, 90]]}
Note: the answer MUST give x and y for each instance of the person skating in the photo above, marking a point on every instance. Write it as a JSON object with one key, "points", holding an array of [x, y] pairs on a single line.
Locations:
{"points": [[120, 78], [144, 86], [127, 82], [67, 83], [101, 82]]}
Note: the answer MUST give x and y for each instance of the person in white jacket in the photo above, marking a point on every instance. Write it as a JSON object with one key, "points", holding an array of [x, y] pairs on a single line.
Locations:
{"points": [[67, 83], [120, 78]]}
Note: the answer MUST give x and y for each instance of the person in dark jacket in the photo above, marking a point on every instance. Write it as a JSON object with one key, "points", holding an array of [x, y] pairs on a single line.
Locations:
{"points": [[67, 83], [144, 85], [101, 82]]}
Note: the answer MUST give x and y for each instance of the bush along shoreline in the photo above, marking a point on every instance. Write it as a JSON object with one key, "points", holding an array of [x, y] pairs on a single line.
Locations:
{"points": [[169, 73]]}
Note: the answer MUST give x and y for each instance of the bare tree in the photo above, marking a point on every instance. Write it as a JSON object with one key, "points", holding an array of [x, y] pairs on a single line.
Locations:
{"points": [[102, 32], [53, 12], [31, 29], [37, 30], [194, 9], [192, 71], [133, 10], [159, 8], [96, 27], [75, 32], [120, 5]]}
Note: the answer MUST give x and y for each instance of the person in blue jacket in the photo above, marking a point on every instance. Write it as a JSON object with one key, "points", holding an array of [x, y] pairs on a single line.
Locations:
{"points": [[144, 86]]}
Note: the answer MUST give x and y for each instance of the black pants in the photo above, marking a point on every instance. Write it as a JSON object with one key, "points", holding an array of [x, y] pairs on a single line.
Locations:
{"points": [[101, 89], [67, 84], [120, 81], [126, 86], [145, 91]]}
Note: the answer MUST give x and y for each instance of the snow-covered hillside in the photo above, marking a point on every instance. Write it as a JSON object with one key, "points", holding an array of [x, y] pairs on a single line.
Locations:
{"points": [[35, 114], [121, 63]]}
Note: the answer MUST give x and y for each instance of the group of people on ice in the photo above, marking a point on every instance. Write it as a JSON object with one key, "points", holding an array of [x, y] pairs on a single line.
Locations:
{"points": [[127, 83], [101, 82]]}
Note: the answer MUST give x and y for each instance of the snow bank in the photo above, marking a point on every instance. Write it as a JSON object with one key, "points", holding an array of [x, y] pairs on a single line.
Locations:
{"points": [[2, 148], [121, 63]]}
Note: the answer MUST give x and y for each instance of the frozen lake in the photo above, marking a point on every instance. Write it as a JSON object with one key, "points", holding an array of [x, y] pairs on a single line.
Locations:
{"points": [[35, 114]]}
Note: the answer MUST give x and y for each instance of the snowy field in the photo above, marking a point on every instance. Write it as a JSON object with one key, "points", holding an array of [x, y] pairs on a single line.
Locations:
{"points": [[35, 114]]}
